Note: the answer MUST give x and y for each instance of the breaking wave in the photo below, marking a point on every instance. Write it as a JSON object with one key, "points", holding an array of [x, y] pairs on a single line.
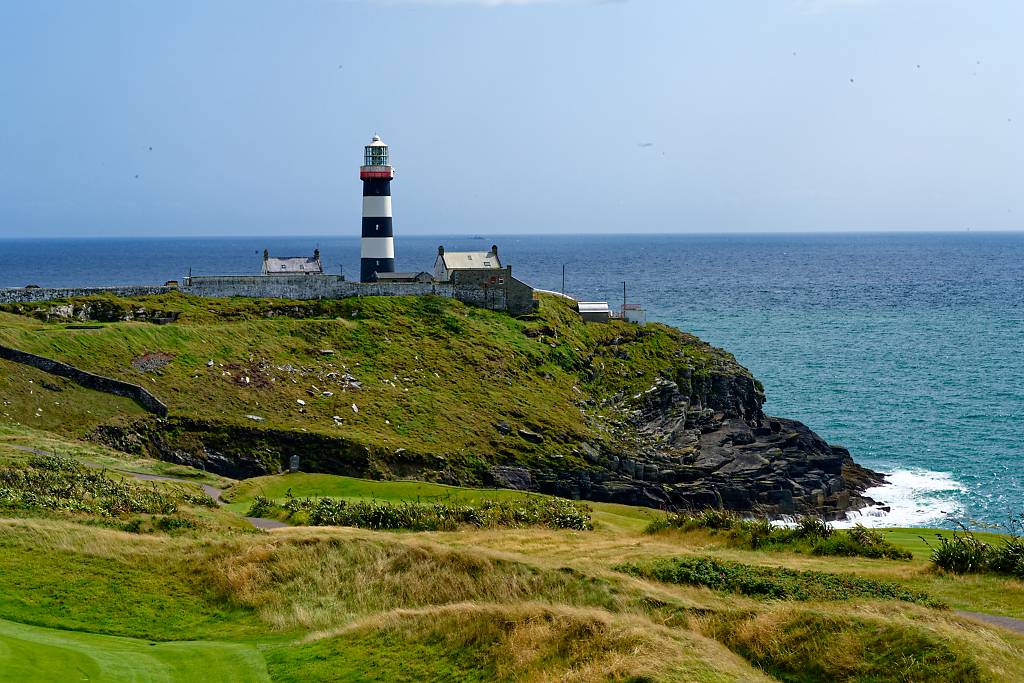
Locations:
{"points": [[910, 498]]}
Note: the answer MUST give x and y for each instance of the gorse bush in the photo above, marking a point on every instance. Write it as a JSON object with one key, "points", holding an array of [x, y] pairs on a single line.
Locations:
{"points": [[809, 534], [772, 582], [533, 511], [64, 485]]}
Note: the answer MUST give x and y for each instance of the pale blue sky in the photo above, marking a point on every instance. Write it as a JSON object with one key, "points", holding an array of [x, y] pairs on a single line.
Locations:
{"points": [[511, 117]]}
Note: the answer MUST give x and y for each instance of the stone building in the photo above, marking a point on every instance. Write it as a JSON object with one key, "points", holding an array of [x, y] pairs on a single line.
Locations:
{"points": [[448, 262], [482, 280]]}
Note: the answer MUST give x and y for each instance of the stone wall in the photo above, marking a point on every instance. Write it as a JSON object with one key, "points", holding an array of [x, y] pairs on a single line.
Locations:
{"points": [[471, 287], [25, 295], [493, 288], [87, 379]]}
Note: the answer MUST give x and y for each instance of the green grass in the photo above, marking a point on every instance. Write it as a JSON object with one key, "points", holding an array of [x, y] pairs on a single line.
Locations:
{"points": [[809, 535], [473, 604], [435, 393], [772, 582], [137, 593], [916, 540], [20, 443], [308, 485], [33, 653]]}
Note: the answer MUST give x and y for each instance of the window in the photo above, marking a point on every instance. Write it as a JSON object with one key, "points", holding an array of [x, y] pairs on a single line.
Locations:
{"points": [[376, 156]]}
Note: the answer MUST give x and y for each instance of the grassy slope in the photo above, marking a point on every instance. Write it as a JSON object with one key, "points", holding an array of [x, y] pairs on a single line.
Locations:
{"points": [[474, 605], [18, 441], [437, 375], [41, 654], [301, 484]]}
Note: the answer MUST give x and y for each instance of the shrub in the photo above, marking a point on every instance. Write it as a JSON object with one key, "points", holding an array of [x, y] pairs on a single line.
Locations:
{"points": [[64, 485], [174, 523], [554, 513], [965, 553], [261, 507], [1008, 558], [772, 582], [860, 542], [813, 527], [810, 534], [961, 553]]}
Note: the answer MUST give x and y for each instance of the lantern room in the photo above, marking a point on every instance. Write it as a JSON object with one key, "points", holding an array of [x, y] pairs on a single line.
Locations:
{"points": [[376, 164]]}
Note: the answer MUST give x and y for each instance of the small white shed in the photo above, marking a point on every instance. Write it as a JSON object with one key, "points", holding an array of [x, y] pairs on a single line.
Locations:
{"points": [[594, 311]]}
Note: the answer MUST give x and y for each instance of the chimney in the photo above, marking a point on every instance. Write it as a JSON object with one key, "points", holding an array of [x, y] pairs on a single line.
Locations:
{"points": [[494, 249], [440, 250], [266, 254]]}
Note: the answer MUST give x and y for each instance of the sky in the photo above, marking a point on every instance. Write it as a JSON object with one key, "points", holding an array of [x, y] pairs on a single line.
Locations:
{"points": [[248, 117]]}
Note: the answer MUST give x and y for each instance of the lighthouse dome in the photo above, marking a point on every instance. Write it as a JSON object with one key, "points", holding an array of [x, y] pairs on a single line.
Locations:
{"points": [[376, 142]]}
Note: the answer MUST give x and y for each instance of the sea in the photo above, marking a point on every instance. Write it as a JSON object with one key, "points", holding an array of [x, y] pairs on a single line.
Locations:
{"points": [[906, 348]]}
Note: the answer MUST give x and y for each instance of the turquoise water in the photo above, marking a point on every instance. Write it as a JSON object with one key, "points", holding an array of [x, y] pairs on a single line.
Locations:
{"points": [[908, 349]]}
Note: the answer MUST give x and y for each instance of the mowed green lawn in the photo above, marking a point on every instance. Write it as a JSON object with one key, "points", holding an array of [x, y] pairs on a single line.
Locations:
{"points": [[304, 485], [34, 653], [916, 540]]}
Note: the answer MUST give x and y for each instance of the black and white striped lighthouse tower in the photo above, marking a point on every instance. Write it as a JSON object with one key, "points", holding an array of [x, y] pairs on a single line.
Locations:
{"points": [[378, 245]]}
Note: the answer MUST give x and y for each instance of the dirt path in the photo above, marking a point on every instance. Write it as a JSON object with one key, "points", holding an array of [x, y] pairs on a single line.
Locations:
{"points": [[211, 491], [1016, 625]]}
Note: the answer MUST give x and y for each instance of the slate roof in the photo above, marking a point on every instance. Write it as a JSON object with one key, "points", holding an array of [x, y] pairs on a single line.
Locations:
{"points": [[461, 260], [291, 264]]}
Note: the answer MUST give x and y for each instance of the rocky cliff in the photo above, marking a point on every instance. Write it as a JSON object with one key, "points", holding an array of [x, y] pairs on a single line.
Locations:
{"points": [[715, 448]]}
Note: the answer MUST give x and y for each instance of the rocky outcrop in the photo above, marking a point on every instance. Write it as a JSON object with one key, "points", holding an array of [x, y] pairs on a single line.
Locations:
{"points": [[712, 446], [716, 448]]}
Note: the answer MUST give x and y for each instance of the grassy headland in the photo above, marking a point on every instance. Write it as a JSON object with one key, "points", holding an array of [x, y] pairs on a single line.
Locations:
{"points": [[399, 383]]}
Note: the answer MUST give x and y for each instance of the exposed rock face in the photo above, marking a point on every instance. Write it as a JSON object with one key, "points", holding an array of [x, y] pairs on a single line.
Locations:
{"points": [[710, 447], [716, 448]]}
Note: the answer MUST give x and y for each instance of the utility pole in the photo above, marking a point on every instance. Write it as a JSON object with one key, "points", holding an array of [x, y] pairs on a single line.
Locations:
{"points": [[563, 279], [623, 299]]}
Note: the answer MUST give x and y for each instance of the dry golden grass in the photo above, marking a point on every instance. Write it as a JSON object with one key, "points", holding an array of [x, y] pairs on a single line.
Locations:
{"points": [[532, 642], [547, 603]]}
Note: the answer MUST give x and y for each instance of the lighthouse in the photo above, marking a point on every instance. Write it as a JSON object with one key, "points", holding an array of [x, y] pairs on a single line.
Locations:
{"points": [[378, 244]]}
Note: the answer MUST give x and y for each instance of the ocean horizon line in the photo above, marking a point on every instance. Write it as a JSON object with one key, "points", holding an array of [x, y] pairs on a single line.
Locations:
{"points": [[477, 235]]}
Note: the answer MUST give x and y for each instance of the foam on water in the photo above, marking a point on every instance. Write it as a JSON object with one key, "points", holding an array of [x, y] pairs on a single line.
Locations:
{"points": [[914, 498]]}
